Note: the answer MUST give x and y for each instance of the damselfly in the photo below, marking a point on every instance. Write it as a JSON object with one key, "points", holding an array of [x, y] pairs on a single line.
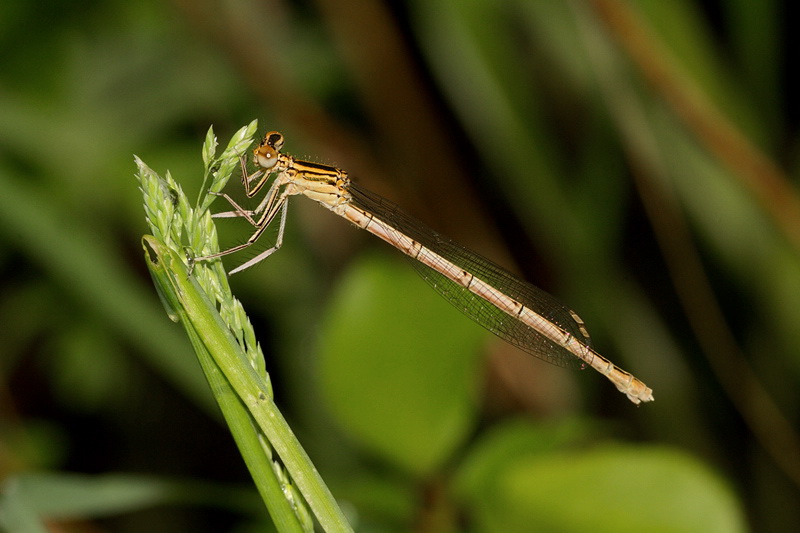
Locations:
{"points": [[515, 310]]}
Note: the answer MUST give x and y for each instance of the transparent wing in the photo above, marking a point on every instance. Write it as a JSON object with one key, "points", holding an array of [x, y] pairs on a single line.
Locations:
{"points": [[483, 312]]}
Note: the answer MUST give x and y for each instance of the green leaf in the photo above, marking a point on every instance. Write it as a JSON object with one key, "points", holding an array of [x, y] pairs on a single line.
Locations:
{"points": [[209, 147], [16, 514], [60, 496], [609, 488], [509, 441], [65, 496], [398, 365]]}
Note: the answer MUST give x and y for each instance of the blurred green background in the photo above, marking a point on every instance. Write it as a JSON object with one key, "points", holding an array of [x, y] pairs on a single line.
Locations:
{"points": [[636, 159]]}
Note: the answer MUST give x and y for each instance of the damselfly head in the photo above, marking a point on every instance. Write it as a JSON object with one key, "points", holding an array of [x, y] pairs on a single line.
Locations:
{"points": [[266, 154]]}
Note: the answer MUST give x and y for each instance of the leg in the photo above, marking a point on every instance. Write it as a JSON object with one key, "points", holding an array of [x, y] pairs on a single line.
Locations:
{"points": [[278, 243], [281, 205], [266, 204], [238, 211]]}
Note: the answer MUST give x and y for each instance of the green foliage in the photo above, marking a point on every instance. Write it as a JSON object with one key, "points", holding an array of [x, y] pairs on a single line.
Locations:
{"points": [[67, 496], [522, 478], [378, 378]]}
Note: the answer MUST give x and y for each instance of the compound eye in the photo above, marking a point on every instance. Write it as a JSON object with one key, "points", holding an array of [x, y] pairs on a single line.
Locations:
{"points": [[274, 139], [265, 156]]}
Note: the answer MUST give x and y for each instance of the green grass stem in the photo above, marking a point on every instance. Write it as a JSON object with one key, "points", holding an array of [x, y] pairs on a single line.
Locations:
{"points": [[225, 344]]}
